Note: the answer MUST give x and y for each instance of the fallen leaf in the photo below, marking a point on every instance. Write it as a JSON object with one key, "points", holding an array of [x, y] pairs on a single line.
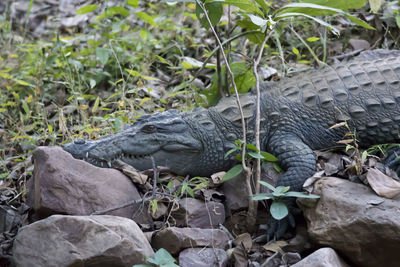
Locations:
{"points": [[217, 177], [131, 172], [245, 241], [276, 246], [382, 184]]}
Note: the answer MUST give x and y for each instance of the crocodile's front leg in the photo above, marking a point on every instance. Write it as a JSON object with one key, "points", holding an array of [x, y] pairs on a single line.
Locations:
{"points": [[299, 162]]}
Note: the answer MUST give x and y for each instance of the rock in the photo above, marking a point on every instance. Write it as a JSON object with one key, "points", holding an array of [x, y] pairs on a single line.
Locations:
{"points": [[62, 240], [355, 222], [175, 239], [359, 44], [196, 213], [64, 185], [236, 194], [203, 257], [323, 257], [235, 190]]}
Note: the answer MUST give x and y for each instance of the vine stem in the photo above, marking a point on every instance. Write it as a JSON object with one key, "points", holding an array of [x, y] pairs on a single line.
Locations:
{"points": [[253, 205], [245, 168]]}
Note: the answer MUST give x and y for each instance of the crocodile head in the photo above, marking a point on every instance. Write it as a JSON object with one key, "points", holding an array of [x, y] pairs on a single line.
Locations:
{"points": [[168, 138]]}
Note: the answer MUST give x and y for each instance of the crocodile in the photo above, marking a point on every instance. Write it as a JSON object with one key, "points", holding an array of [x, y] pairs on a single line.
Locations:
{"points": [[297, 115]]}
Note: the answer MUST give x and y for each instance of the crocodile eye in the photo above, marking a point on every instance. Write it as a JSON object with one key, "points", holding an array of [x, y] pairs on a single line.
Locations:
{"points": [[149, 128]]}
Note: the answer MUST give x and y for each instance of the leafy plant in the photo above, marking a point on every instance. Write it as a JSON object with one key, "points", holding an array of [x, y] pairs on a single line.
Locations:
{"points": [[162, 258], [253, 154], [278, 208]]}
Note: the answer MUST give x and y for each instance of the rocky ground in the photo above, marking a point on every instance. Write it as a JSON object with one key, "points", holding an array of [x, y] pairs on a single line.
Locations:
{"points": [[349, 225]]}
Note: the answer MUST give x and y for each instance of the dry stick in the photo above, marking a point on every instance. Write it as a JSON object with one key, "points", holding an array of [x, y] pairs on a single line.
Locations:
{"points": [[245, 168], [252, 212], [154, 176]]}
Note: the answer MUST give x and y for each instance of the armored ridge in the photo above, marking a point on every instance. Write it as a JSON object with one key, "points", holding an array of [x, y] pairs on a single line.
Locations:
{"points": [[296, 116]]}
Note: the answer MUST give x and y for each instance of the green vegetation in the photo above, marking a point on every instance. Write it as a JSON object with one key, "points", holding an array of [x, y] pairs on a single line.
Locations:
{"points": [[278, 208], [162, 258]]}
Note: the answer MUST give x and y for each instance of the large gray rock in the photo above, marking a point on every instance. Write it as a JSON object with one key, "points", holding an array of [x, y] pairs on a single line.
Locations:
{"points": [[355, 222], [323, 257], [63, 240], [203, 257], [175, 239], [196, 213], [64, 185]]}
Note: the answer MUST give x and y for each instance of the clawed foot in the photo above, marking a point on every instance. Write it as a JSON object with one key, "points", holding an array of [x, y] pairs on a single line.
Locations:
{"points": [[277, 228], [393, 160]]}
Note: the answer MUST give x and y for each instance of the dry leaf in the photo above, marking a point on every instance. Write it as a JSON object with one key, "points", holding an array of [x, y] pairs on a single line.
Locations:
{"points": [[382, 184], [217, 177], [131, 172], [276, 246], [245, 241]]}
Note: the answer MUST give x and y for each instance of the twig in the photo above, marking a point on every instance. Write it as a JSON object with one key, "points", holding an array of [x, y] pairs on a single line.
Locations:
{"points": [[252, 212], [353, 53], [154, 176], [132, 202], [245, 168]]}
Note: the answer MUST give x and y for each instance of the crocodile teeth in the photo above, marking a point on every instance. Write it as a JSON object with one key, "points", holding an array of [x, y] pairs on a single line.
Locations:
{"points": [[87, 154], [109, 164]]}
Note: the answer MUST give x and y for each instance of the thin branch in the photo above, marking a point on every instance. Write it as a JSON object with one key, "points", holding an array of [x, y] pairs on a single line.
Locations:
{"points": [[254, 204], [245, 168]]}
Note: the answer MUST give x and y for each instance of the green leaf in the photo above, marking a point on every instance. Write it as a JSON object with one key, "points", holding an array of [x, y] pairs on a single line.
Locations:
{"points": [[86, 9], [268, 156], [246, 6], [117, 10], [312, 39], [230, 152], [277, 194], [296, 51], [146, 18], [271, 187], [233, 172], [398, 20], [163, 257], [103, 54], [263, 4], [282, 189], [96, 105], [257, 20], [214, 11], [341, 4], [263, 196], [375, 5], [255, 155], [308, 9], [252, 147], [359, 22], [329, 26], [133, 73], [133, 3], [278, 210], [300, 195]]}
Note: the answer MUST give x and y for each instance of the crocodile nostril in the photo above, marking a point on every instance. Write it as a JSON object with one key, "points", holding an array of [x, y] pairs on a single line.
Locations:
{"points": [[79, 141]]}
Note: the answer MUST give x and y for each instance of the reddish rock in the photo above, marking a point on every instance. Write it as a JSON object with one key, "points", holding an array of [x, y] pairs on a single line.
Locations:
{"points": [[64, 185], [323, 257], [175, 239], [199, 214], [203, 257], [353, 220], [63, 240]]}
